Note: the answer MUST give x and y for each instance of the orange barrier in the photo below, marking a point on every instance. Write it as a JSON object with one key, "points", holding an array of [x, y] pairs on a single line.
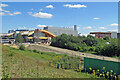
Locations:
{"points": [[10, 34], [48, 33]]}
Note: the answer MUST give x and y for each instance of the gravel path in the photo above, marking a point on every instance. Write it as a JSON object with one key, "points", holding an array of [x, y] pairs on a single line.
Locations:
{"points": [[46, 48]]}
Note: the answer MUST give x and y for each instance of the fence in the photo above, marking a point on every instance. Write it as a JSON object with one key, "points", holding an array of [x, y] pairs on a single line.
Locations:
{"points": [[99, 64]]}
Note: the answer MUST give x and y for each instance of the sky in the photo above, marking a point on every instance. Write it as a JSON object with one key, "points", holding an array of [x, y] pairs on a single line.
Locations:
{"points": [[88, 16], [60, 0]]}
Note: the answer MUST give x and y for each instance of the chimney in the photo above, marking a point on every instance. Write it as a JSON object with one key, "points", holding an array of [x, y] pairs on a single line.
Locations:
{"points": [[75, 27]]}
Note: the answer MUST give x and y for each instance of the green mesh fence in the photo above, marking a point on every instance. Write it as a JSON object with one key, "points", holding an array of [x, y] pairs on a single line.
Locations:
{"points": [[99, 64]]}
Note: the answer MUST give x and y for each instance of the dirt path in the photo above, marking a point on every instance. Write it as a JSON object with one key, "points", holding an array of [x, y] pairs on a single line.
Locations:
{"points": [[46, 48]]}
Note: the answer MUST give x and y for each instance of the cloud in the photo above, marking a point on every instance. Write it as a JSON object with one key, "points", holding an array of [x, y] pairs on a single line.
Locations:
{"points": [[32, 9], [15, 13], [114, 24], [41, 9], [7, 12], [22, 27], [42, 15], [50, 6], [41, 26], [96, 18], [102, 28], [89, 27], [2, 13], [114, 30], [10, 14], [75, 6], [0, 9], [3, 5], [30, 13], [3, 10], [79, 25], [86, 35]]}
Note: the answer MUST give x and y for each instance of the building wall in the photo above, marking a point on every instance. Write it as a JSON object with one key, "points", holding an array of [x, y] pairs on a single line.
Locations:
{"points": [[102, 35], [113, 34], [60, 30], [39, 34], [118, 35]]}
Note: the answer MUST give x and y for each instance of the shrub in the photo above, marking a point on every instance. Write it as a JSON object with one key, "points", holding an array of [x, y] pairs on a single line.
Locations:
{"points": [[35, 50], [11, 54], [22, 47], [19, 39], [91, 49]]}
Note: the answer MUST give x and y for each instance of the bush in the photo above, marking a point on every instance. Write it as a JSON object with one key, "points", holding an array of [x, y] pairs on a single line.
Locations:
{"points": [[22, 47], [11, 54], [35, 50], [19, 39], [91, 49], [110, 50]]}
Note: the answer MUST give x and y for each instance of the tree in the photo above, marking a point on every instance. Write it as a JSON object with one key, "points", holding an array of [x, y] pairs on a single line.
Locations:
{"points": [[22, 47], [106, 38], [90, 41], [19, 39]]}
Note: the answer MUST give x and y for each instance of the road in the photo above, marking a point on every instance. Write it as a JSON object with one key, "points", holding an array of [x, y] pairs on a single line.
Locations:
{"points": [[47, 48]]}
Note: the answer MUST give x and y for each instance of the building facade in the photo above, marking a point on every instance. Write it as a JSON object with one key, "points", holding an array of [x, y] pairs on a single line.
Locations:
{"points": [[118, 35], [101, 34], [104, 34], [60, 30]]}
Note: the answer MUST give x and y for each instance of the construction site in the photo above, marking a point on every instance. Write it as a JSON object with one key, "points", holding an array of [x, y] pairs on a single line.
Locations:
{"points": [[37, 36]]}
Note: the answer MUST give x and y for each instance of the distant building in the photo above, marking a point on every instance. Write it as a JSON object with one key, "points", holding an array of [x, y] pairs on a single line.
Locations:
{"points": [[101, 34], [60, 30], [113, 34], [10, 31], [104, 34], [118, 35], [7, 38]]}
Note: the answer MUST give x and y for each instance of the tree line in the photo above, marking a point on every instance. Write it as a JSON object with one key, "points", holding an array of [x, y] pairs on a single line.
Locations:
{"points": [[101, 46]]}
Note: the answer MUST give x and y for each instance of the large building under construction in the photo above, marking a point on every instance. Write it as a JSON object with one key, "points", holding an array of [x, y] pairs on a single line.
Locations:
{"points": [[37, 35], [60, 30]]}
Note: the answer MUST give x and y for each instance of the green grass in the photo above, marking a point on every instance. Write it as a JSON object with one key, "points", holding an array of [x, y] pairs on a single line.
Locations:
{"points": [[91, 52], [28, 64], [116, 57]]}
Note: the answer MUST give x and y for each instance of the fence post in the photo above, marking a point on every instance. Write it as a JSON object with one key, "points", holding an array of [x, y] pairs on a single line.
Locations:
{"points": [[118, 77], [58, 66], [61, 66]]}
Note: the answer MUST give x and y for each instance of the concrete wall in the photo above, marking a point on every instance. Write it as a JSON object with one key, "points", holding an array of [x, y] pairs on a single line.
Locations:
{"points": [[60, 30], [113, 34], [39, 34]]}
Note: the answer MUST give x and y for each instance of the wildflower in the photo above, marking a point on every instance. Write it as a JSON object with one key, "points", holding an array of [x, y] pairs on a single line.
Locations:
{"points": [[103, 74], [107, 73], [111, 75], [115, 77], [98, 70], [111, 70], [93, 70], [103, 67], [90, 68]]}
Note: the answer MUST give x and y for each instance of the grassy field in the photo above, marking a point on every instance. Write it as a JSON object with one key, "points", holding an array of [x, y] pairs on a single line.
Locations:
{"points": [[31, 64]]}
